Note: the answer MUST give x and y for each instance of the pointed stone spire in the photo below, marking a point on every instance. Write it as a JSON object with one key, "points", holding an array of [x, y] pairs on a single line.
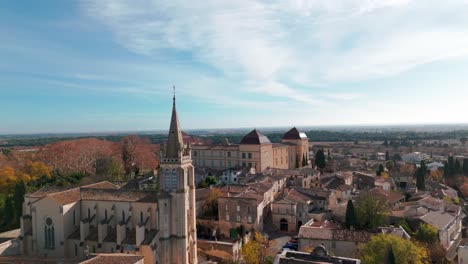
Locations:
{"points": [[175, 142]]}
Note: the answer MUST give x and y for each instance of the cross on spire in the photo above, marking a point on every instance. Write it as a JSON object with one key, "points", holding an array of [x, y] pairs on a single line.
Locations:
{"points": [[175, 140]]}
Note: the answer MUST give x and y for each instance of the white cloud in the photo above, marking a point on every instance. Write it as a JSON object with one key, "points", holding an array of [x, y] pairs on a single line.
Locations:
{"points": [[272, 45]]}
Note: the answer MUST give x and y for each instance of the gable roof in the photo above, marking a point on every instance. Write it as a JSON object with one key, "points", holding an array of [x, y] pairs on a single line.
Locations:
{"points": [[64, 197], [438, 219], [118, 195], [297, 197], [294, 133], [44, 191], [255, 137]]}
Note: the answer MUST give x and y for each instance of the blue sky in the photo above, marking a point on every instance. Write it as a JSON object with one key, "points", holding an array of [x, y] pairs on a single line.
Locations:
{"points": [[88, 66]]}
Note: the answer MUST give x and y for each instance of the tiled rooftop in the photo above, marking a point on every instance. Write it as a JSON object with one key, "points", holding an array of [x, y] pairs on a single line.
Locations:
{"points": [[295, 134], [118, 195], [115, 258], [67, 196], [255, 137]]}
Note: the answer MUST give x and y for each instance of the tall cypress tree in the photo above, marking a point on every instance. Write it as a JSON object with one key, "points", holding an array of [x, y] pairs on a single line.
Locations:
{"points": [[391, 256], [9, 212], [387, 156], [320, 161], [304, 160], [465, 166], [380, 170], [18, 199], [450, 166], [297, 161], [420, 176], [457, 169], [350, 219]]}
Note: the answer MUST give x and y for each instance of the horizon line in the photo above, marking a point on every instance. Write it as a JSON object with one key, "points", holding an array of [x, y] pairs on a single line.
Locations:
{"points": [[160, 131]]}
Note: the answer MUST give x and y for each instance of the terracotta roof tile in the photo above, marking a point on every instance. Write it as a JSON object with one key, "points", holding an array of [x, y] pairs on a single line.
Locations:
{"points": [[44, 191], [66, 197], [118, 195], [115, 258]]}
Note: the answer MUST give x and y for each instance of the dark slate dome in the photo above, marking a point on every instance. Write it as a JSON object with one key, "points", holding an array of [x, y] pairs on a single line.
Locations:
{"points": [[294, 133], [255, 138]]}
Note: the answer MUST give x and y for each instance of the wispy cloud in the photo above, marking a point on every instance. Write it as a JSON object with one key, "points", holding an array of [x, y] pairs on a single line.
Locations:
{"points": [[274, 44]]}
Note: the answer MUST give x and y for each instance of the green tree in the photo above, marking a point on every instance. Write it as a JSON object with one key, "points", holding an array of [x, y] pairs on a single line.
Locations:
{"points": [[371, 211], [297, 161], [378, 249], [391, 256], [350, 215], [210, 205], [18, 199], [320, 160], [8, 212], [449, 168], [465, 166], [396, 157], [426, 234], [380, 170], [207, 182], [304, 160], [387, 156], [390, 165], [457, 168], [420, 176]]}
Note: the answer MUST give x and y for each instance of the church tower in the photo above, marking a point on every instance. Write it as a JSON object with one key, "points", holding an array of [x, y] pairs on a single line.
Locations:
{"points": [[177, 223]]}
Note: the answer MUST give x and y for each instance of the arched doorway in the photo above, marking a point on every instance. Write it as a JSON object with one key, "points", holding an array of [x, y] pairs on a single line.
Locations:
{"points": [[284, 225]]}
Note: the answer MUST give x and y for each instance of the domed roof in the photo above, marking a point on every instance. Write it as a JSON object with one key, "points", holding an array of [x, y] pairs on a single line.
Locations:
{"points": [[255, 137], [294, 133]]}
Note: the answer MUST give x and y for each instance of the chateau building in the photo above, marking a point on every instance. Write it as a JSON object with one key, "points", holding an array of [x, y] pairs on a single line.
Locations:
{"points": [[158, 224], [255, 150]]}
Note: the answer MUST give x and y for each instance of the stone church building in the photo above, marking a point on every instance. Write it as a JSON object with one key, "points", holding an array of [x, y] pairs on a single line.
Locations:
{"points": [[103, 218]]}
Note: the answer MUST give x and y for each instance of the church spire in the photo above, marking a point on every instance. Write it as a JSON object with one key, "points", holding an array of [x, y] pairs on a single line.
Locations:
{"points": [[175, 141]]}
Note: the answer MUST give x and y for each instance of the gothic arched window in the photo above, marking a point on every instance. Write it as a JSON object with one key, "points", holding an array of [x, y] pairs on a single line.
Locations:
{"points": [[174, 180], [167, 180], [49, 234]]}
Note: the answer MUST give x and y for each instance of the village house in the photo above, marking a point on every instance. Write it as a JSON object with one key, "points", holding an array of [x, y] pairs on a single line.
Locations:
{"points": [[393, 198], [442, 215], [341, 242], [318, 255], [385, 184], [298, 205], [415, 157], [342, 190], [243, 207], [364, 180]]}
